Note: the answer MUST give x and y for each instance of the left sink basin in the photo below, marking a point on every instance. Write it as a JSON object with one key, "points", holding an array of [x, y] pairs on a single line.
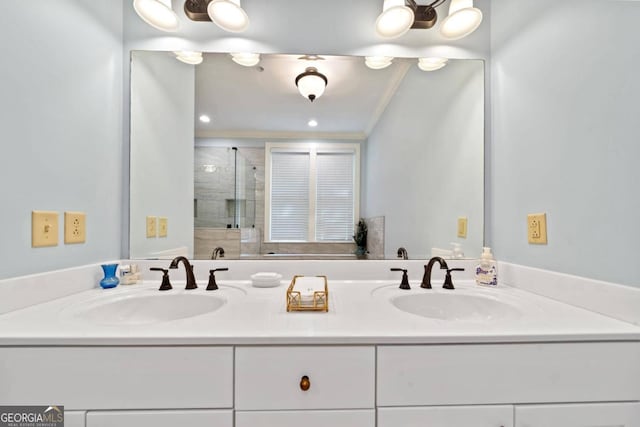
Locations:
{"points": [[141, 308]]}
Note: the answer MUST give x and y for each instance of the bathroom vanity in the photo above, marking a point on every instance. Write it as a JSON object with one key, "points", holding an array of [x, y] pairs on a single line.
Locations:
{"points": [[487, 357]]}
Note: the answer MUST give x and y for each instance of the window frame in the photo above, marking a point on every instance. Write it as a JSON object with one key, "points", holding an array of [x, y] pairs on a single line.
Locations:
{"points": [[312, 148]]}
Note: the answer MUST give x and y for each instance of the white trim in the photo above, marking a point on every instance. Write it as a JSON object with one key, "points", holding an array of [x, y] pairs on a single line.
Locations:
{"points": [[312, 148], [241, 134]]}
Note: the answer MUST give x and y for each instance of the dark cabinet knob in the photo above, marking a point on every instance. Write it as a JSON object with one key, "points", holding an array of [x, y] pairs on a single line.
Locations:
{"points": [[305, 383]]}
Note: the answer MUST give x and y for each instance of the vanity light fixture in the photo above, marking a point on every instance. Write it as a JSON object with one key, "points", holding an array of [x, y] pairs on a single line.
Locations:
{"points": [[378, 62], [395, 20], [157, 13], [205, 119], [463, 20], [432, 64], [228, 15], [246, 59], [189, 57], [311, 84], [398, 16]]}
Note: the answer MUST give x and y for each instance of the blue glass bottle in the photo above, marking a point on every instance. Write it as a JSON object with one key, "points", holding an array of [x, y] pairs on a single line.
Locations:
{"points": [[110, 280]]}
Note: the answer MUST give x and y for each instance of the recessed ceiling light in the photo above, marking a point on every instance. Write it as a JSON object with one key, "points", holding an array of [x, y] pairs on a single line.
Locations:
{"points": [[313, 123], [205, 119]]}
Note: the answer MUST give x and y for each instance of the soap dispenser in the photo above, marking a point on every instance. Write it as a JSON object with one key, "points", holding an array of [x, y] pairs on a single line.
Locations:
{"points": [[487, 271]]}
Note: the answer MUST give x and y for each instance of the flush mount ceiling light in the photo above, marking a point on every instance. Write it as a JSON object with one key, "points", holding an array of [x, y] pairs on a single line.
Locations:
{"points": [[463, 20], [398, 16], [311, 84], [246, 59], [157, 13], [189, 57], [378, 62], [432, 64]]}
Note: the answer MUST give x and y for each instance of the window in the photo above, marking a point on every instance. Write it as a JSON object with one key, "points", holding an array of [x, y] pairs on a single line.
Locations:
{"points": [[312, 192]]}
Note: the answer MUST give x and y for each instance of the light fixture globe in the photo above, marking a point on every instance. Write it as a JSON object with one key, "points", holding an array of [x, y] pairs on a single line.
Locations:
{"points": [[395, 20], [157, 13], [189, 57], [311, 84], [432, 64], [378, 62], [463, 20], [246, 59], [228, 15]]}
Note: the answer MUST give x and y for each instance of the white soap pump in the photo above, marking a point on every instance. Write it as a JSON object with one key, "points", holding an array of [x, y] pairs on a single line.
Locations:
{"points": [[487, 271]]}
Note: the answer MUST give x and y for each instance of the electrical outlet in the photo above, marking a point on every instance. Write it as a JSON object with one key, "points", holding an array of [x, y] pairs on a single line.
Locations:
{"points": [[75, 227], [537, 226], [44, 229], [162, 226], [152, 227], [462, 227]]}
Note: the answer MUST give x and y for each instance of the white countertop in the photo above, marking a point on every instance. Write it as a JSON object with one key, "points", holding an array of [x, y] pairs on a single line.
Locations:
{"points": [[359, 313]]}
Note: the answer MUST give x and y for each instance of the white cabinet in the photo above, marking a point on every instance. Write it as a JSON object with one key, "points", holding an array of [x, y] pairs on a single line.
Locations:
{"points": [[294, 378], [353, 418], [447, 416], [189, 418], [578, 415]]}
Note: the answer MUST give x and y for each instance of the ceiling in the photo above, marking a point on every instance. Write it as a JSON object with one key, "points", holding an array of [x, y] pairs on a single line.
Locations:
{"points": [[263, 101]]}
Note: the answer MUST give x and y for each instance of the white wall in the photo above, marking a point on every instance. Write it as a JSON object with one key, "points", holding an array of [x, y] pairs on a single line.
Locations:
{"points": [[425, 161], [162, 150], [566, 123], [61, 127]]}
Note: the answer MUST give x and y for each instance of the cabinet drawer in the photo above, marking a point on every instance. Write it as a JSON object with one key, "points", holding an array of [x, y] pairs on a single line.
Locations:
{"points": [[160, 419], [580, 415], [359, 418], [506, 373], [339, 378], [118, 377], [477, 416]]}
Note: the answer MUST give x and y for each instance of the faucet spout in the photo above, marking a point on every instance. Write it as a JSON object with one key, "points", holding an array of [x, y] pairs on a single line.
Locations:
{"points": [[426, 279], [191, 279], [217, 252], [402, 253]]}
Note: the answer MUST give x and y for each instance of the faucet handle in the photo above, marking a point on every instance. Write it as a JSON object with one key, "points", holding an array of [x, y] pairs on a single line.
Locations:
{"points": [[448, 282], [212, 286], [166, 284], [405, 279]]}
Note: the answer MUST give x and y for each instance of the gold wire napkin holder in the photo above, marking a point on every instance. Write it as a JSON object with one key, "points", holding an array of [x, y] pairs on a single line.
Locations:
{"points": [[320, 301]]}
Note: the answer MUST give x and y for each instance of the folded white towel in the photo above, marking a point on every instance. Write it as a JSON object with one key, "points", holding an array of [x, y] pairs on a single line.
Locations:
{"points": [[307, 286]]}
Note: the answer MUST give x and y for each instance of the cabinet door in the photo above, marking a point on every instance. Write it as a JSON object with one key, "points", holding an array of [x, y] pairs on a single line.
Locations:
{"points": [[74, 418], [447, 416], [355, 418], [195, 418], [582, 415]]}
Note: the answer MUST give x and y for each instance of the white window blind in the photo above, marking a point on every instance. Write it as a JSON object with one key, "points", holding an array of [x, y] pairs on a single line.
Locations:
{"points": [[334, 196], [289, 196]]}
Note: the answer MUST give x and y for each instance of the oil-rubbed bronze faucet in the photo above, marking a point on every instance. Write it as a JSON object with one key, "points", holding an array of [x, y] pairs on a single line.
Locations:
{"points": [[402, 253], [217, 252], [191, 280], [426, 279], [404, 284]]}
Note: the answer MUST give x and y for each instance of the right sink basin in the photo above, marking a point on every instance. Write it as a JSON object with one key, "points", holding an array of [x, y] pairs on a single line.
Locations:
{"points": [[456, 306]]}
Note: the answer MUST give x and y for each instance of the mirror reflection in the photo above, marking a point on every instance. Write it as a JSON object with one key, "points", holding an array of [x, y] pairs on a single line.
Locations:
{"points": [[237, 161]]}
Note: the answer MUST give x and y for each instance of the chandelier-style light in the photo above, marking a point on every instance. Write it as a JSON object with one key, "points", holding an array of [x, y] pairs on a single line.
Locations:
{"points": [[463, 20], [157, 13], [311, 84], [378, 62], [228, 15]]}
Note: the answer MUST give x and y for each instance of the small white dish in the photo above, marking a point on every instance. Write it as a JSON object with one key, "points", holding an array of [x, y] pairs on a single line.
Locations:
{"points": [[266, 280]]}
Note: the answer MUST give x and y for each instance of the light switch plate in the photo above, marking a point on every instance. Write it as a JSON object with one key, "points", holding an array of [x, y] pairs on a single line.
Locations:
{"points": [[44, 229], [75, 227], [462, 227], [152, 227], [163, 224], [537, 228]]}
